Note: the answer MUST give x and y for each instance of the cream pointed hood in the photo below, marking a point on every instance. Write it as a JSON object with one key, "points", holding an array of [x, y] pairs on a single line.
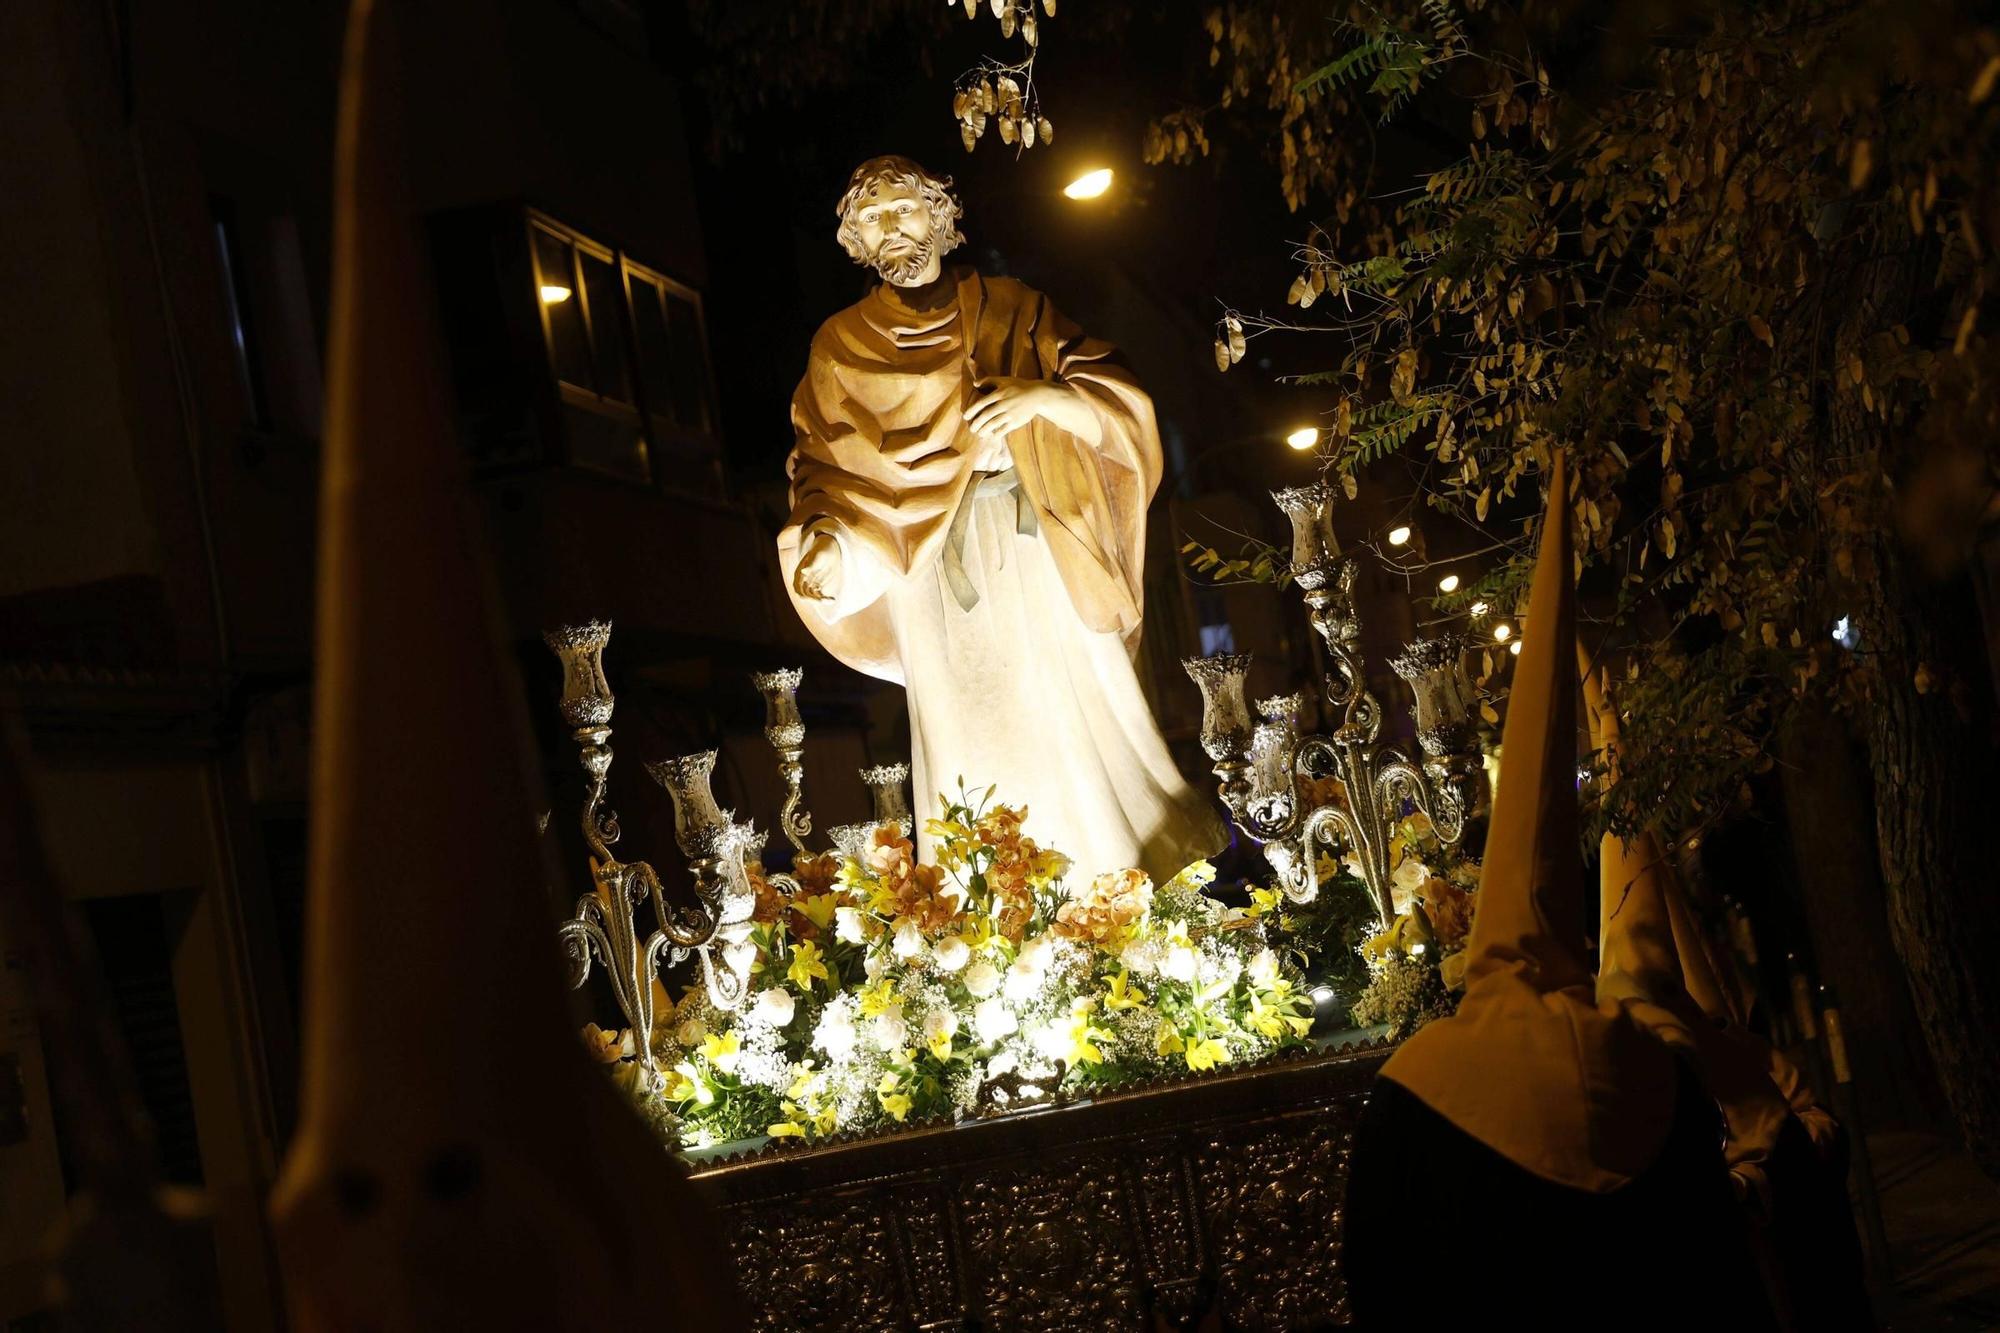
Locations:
{"points": [[1531, 1064]]}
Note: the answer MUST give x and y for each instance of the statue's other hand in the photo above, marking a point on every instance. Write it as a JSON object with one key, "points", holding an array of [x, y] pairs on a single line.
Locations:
{"points": [[817, 578]]}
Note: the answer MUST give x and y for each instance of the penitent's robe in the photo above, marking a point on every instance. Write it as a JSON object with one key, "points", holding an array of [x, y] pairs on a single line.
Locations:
{"points": [[1001, 588]]}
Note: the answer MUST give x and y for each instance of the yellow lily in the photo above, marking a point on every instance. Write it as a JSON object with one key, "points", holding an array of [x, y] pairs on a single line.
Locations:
{"points": [[806, 965], [1167, 1041], [878, 995], [818, 908], [940, 1047], [1206, 1053], [1118, 995], [721, 1052], [897, 1104], [1263, 901]]}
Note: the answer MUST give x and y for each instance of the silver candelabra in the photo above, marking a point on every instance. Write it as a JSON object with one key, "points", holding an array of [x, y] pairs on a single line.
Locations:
{"points": [[715, 928], [1259, 767]]}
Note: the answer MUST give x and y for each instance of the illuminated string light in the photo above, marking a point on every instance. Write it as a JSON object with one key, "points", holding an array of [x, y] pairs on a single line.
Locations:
{"points": [[1449, 583], [1478, 608], [1305, 437], [1398, 536], [1515, 647], [1503, 631], [554, 294]]}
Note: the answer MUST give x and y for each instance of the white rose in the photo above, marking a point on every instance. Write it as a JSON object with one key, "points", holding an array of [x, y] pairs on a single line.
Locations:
{"points": [[774, 1006], [1141, 957], [1037, 952], [1179, 963], [909, 941], [847, 925], [889, 1029], [952, 953], [873, 964], [939, 1024], [992, 1020], [835, 1033], [1264, 968], [1024, 981], [982, 979], [690, 1032], [1052, 1040]]}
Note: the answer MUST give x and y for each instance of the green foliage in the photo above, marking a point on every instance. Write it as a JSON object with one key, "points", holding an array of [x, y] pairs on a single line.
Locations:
{"points": [[1737, 272]]}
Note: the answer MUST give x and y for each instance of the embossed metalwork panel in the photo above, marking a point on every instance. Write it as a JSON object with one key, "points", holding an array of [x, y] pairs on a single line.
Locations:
{"points": [[1142, 1210]]}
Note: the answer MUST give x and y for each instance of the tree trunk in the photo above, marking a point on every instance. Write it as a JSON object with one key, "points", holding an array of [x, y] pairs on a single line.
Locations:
{"points": [[1935, 776]]}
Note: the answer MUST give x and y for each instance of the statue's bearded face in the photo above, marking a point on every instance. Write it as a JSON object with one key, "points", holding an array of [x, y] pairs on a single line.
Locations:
{"points": [[893, 224]]}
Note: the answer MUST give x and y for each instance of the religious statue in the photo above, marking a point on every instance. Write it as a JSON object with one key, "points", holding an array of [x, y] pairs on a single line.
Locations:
{"points": [[968, 520]]}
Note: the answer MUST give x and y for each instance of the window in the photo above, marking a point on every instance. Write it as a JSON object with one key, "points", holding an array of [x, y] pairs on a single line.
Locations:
{"points": [[629, 350], [583, 321]]}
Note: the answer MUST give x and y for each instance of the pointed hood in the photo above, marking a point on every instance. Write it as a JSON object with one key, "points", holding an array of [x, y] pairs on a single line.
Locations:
{"points": [[436, 1178], [1641, 967], [1531, 1065]]}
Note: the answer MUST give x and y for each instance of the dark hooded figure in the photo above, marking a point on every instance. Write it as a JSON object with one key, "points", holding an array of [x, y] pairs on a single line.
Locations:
{"points": [[1542, 1152]]}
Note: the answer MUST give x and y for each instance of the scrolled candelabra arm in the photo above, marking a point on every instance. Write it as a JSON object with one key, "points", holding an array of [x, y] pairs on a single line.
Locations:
{"points": [[1225, 725], [785, 729]]}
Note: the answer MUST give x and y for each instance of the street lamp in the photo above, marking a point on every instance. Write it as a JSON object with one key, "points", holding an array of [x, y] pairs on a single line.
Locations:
{"points": [[1090, 184]]}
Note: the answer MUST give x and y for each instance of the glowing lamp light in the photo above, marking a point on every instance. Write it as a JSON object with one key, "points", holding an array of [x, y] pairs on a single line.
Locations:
{"points": [[554, 294], [1515, 647], [1449, 583], [1398, 536], [1479, 609], [1090, 184], [1305, 437], [1503, 632]]}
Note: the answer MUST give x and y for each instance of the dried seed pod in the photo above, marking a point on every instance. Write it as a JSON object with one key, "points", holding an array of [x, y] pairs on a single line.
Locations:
{"points": [[968, 134], [1044, 130], [1299, 290], [972, 8], [988, 102], [1236, 341], [1007, 23], [1027, 134], [1028, 33], [1307, 293], [960, 104], [1221, 355], [1049, 7], [1001, 6], [1008, 129]]}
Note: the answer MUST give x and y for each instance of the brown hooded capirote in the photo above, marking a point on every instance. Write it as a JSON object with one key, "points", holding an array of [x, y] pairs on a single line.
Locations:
{"points": [[458, 1163]]}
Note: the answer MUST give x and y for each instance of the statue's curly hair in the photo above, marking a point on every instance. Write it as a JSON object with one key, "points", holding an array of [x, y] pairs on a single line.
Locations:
{"points": [[892, 169]]}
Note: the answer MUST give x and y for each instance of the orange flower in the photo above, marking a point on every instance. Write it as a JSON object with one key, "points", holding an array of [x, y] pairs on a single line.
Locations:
{"points": [[769, 901], [1450, 910], [1104, 911]]}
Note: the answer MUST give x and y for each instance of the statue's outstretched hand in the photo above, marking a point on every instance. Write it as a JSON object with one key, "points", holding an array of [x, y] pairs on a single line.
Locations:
{"points": [[817, 578]]}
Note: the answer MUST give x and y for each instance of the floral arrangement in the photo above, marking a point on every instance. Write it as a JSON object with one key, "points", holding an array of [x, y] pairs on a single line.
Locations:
{"points": [[1417, 963], [888, 991]]}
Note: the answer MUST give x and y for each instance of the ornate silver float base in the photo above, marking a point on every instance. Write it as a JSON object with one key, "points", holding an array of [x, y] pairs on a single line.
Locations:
{"points": [[1139, 1210]]}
